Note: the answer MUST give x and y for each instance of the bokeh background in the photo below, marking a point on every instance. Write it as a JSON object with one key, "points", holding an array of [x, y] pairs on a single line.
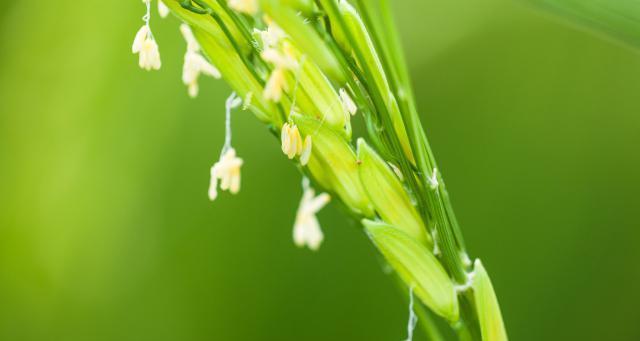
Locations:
{"points": [[106, 232]]}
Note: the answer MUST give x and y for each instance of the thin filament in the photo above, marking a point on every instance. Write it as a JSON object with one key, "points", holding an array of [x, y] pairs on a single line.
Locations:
{"points": [[228, 105], [413, 318]]}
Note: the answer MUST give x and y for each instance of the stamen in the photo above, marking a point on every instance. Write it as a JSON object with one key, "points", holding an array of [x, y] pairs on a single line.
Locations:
{"points": [[194, 63], [347, 103], [145, 45], [227, 169], [163, 10], [306, 151], [413, 318], [147, 17], [306, 229], [233, 101]]}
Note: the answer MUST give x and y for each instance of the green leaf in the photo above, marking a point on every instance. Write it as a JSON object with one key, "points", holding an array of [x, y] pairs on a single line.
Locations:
{"points": [[489, 316], [417, 267], [619, 19], [387, 195]]}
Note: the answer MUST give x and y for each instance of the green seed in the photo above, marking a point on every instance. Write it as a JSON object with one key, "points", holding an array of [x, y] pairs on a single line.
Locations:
{"points": [[417, 267], [387, 195], [334, 162]]}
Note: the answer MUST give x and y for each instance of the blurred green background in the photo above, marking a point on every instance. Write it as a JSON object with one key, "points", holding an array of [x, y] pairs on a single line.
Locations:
{"points": [[106, 232]]}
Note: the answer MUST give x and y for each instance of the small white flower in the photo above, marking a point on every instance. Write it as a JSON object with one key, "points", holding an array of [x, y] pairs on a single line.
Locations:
{"points": [[194, 63], [150, 56], [227, 170], [244, 6], [145, 45], [141, 36], [347, 103], [194, 66], [306, 230], [271, 36], [163, 10], [147, 49], [291, 140], [187, 34]]}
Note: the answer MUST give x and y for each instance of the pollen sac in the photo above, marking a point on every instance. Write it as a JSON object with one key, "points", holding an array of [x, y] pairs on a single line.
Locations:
{"points": [[417, 267], [147, 49], [333, 164], [388, 196], [291, 141], [306, 230], [163, 10], [489, 315]]}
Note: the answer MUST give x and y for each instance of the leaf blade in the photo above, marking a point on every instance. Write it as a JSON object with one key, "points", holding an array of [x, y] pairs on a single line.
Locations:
{"points": [[619, 19]]}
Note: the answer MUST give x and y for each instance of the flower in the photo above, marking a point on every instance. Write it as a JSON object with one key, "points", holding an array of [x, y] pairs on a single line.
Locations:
{"points": [[163, 10], [347, 103], [194, 63], [244, 6], [227, 170], [271, 36], [291, 140], [145, 45], [306, 230], [147, 49], [292, 144], [187, 34]]}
